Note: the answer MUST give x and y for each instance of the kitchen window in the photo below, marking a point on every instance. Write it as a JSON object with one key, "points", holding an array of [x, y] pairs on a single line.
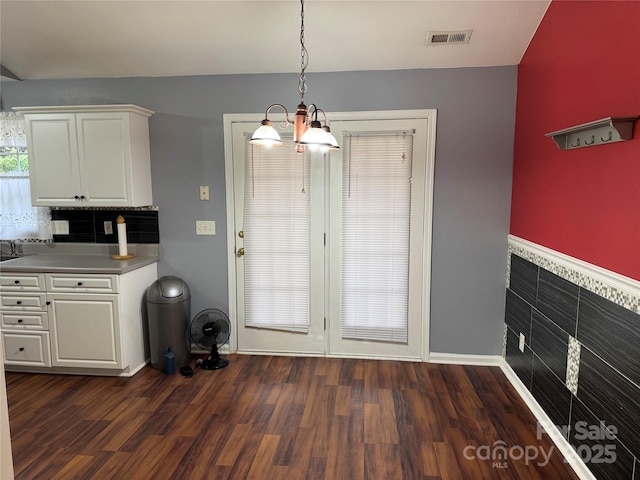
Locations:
{"points": [[19, 220]]}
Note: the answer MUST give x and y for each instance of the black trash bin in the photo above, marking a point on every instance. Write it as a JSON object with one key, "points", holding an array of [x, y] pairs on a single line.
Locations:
{"points": [[169, 313]]}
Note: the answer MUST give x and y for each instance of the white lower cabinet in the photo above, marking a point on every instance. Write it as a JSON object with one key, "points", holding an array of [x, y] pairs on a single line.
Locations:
{"points": [[75, 323], [85, 330]]}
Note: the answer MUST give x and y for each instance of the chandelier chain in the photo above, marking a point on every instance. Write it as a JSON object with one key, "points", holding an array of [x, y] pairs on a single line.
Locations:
{"points": [[304, 57]]}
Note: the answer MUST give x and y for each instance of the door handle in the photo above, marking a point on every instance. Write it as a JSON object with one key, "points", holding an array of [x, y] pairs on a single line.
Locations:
{"points": [[240, 252]]}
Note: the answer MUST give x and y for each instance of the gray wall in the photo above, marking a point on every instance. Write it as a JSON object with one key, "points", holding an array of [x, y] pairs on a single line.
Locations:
{"points": [[476, 115]]}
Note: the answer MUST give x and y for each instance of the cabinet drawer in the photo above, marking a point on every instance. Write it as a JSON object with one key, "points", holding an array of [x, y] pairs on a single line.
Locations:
{"points": [[81, 283], [25, 320], [23, 282], [26, 348], [23, 301]]}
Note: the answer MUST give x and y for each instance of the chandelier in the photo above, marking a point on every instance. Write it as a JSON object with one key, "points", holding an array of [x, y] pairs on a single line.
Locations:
{"points": [[307, 129]]}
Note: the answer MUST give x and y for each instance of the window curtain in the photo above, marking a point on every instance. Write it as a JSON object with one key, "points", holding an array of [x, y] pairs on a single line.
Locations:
{"points": [[18, 219]]}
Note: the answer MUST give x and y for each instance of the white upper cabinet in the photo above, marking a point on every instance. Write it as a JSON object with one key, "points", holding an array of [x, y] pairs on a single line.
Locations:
{"points": [[89, 155]]}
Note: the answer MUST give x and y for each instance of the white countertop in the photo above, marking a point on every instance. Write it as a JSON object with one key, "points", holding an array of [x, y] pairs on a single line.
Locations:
{"points": [[43, 263]]}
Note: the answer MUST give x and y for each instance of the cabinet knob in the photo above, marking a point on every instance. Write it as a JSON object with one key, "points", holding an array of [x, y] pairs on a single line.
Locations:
{"points": [[19, 302], [79, 284], [48, 303], [82, 197], [21, 349], [77, 197], [20, 320], [17, 282]]}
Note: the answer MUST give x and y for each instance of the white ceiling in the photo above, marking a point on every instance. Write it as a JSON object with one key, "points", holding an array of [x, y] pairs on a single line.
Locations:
{"points": [[81, 39]]}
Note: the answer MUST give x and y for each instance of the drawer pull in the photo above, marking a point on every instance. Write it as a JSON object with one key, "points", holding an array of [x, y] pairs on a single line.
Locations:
{"points": [[79, 284], [20, 320], [48, 303], [19, 302], [17, 282], [21, 349]]}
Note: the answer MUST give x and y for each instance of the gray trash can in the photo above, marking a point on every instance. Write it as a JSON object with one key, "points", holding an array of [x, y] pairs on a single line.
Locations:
{"points": [[169, 314]]}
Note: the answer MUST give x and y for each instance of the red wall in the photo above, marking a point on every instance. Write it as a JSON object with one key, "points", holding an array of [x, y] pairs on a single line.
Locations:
{"points": [[583, 64]]}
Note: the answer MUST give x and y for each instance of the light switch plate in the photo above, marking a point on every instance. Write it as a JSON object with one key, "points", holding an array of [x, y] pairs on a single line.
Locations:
{"points": [[204, 192], [108, 227], [205, 227], [521, 343], [60, 227]]}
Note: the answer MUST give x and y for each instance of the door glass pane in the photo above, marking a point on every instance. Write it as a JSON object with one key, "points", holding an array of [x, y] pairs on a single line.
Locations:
{"points": [[276, 238], [376, 208]]}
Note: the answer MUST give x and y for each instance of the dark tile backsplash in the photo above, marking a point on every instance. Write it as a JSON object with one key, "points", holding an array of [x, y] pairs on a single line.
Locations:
{"points": [[81, 226], [87, 226], [524, 278], [521, 362], [610, 459], [550, 344], [518, 315], [574, 336], [619, 347], [558, 299], [142, 226], [550, 392], [611, 397]]}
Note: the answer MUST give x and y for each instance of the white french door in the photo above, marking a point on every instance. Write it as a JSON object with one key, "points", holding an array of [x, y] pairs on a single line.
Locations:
{"points": [[278, 247], [377, 239], [329, 252]]}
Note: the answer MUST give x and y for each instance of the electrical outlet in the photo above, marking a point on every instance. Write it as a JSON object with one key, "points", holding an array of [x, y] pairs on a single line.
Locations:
{"points": [[205, 227], [60, 227], [108, 227], [521, 343], [204, 192]]}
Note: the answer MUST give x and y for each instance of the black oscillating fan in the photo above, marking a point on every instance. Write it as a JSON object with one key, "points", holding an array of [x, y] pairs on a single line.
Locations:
{"points": [[210, 329]]}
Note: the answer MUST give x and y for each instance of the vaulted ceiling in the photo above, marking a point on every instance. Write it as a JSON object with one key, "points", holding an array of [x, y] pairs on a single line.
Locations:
{"points": [[82, 39]]}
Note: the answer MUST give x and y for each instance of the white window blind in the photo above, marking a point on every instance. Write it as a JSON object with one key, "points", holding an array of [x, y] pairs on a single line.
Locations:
{"points": [[276, 238], [376, 206]]}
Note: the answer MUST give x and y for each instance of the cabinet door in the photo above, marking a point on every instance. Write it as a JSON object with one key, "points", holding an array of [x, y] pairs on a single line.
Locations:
{"points": [[85, 331], [104, 148], [53, 159]]}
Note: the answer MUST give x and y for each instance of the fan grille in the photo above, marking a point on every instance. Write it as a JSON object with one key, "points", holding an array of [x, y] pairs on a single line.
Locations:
{"points": [[208, 326]]}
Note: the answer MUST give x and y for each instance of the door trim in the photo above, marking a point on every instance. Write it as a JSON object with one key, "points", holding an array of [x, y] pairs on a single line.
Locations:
{"points": [[256, 118]]}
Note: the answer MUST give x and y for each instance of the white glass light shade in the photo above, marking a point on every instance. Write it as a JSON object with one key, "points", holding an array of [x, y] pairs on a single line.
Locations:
{"points": [[265, 135], [315, 136], [332, 140]]}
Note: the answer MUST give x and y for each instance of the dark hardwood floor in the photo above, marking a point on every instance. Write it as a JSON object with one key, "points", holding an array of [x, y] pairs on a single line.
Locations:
{"points": [[275, 418]]}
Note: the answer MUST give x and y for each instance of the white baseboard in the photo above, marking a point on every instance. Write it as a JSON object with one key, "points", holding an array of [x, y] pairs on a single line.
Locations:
{"points": [[278, 354], [564, 447], [464, 359]]}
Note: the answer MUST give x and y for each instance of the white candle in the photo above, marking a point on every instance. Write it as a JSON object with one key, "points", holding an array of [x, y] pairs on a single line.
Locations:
{"points": [[122, 236]]}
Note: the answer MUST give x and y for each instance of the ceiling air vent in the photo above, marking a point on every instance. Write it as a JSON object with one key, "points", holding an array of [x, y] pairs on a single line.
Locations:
{"points": [[449, 37]]}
